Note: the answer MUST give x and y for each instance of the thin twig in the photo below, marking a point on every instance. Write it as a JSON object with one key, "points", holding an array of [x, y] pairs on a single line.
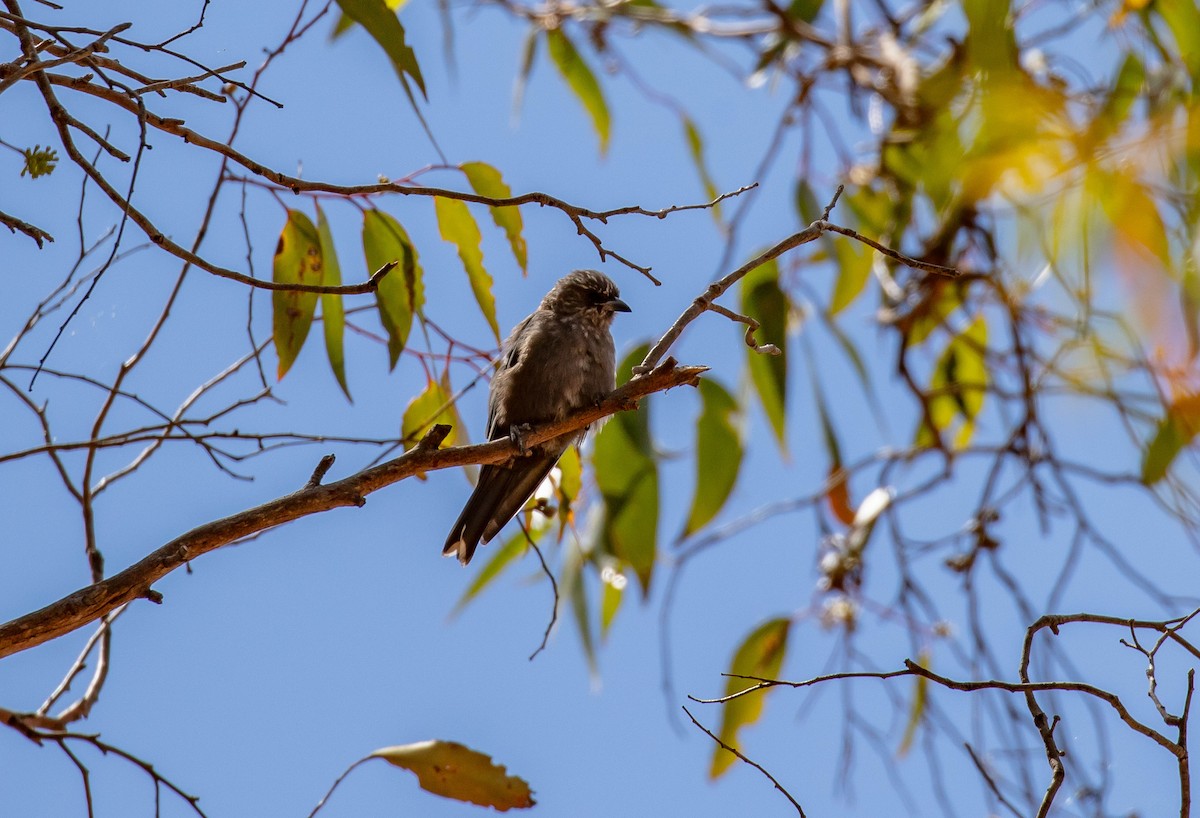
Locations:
{"points": [[754, 764], [553, 587]]}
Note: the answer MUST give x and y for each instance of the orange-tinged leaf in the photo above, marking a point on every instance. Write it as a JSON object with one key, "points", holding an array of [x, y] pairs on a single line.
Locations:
{"points": [[1175, 432], [297, 261], [761, 656], [453, 770], [838, 495]]}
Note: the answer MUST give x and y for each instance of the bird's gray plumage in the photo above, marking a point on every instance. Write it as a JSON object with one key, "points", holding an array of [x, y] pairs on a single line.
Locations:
{"points": [[555, 362]]}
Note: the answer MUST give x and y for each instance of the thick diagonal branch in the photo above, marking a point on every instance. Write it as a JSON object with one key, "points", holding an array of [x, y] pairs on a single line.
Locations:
{"points": [[90, 603]]}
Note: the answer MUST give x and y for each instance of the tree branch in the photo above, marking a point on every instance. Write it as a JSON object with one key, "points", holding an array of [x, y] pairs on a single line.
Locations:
{"points": [[814, 231], [90, 603]]}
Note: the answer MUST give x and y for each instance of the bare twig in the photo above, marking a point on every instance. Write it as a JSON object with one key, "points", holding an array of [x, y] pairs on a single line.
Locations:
{"points": [[554, 589], [705, 301], [991, 782], [755, 765]]}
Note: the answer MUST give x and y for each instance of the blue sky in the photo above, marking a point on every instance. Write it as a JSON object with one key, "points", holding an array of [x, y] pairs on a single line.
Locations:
{"points": [[276, 663]]}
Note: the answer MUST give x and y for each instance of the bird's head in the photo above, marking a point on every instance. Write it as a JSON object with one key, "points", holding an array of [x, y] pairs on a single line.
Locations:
{"points": [[586, 293]]}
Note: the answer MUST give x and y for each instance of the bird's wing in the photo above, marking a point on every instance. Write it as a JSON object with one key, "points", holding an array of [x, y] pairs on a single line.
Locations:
{"points": [[510, 357]]}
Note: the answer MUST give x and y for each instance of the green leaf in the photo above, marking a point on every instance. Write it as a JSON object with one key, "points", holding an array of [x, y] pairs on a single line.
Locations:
{"points": [[1168, 441], [972, 368], [942, 298], [451, 770], [345, 23], [1174, 433], [528, 55], [574, 591], [881, 213], [806, 202], [916, 713], [718, 455], [804, 10], [1125, 90], [433, 405], [860, 368], [384, 26], [457, 226], [332, 313], [612, 591], [39, 161], [852, 258], [958, 385], [401, 293], [570, 481], [696, 148], [297, 261], [838, 492], [486, 181], [581, 81], [763, 300], [854, 269], [760, 655], [1183, 19], [991, 44], [627, 476], [500, 559]]}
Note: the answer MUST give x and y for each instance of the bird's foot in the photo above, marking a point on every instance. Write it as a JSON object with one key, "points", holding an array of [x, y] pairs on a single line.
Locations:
{"points": [[517, 435]]}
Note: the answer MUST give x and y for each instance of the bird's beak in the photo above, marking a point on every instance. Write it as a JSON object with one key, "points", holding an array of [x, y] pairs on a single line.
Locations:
{"points": [[618, 305]]}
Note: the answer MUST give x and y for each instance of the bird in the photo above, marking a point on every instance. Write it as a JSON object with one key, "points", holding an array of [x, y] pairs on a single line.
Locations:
{"points": [[558, 360]]}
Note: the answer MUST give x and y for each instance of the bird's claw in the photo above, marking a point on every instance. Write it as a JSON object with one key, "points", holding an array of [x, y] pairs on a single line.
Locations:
{"points": [[517, 435]]}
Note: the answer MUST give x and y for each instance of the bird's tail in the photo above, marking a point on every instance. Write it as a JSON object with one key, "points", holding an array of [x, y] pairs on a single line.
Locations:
{"points": [[499, 494]]}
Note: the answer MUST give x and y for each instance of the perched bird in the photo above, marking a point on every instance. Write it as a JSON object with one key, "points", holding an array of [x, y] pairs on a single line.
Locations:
{"points": [[557, 361]]}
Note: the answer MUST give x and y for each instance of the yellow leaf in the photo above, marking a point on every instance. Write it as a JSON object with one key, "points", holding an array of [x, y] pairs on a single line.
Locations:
{"points": [[452, 770], [759, 656], [297, 261]]}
